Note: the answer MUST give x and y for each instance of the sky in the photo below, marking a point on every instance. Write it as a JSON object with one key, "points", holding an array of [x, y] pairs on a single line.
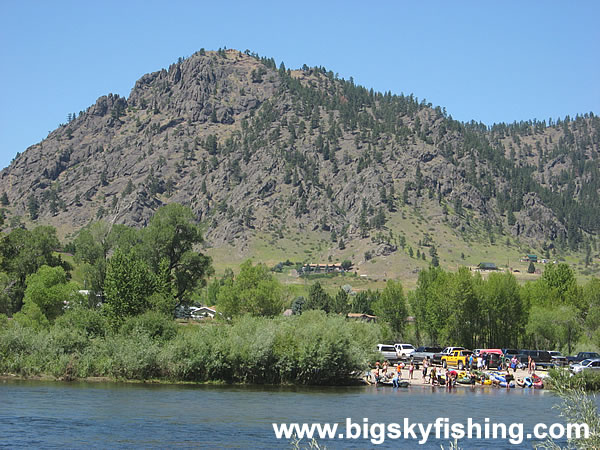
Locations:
{"points": [[484, 61]]}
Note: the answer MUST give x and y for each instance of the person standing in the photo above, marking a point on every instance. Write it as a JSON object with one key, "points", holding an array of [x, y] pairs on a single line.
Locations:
{"points": [[411, 369], [425, 366], [395, 381]]}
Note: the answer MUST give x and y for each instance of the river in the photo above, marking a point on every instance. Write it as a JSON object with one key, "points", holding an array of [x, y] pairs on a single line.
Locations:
{"points": [[37, 414]]}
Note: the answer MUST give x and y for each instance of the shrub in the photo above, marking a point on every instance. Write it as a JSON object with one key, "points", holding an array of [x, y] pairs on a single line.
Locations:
{"points": [[90, 321], [312, 348], [152, 324]]}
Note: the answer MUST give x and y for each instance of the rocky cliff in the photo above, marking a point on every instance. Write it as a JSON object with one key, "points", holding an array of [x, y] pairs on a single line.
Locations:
{"points": [[252, 146]]}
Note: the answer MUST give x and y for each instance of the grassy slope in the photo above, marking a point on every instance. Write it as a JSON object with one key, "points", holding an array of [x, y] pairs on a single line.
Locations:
{"points": [[316, 246]]}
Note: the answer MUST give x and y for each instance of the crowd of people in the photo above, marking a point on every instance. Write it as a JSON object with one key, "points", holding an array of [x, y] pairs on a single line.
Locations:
{"points": [[433, 375]]}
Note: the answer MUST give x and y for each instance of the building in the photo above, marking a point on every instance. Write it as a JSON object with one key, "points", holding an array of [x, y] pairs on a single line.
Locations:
{"points": [[530, 258], [321, 268], [487, 266], [203, 312], [363, 317]]}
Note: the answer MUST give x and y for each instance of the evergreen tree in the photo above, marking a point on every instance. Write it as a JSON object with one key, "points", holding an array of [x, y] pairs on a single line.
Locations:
{"points": [[33, 207], [339, 303], [318, 298]]}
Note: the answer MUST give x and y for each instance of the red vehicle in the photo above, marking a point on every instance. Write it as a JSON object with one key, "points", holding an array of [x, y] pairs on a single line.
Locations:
{"points": [[494, 357]]}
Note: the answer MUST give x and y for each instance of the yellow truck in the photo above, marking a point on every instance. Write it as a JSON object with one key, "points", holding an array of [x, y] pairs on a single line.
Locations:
{"points": [[458, 358]]}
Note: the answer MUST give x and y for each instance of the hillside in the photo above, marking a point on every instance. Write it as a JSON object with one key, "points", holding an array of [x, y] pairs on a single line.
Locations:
{"points": [[298, 164]]}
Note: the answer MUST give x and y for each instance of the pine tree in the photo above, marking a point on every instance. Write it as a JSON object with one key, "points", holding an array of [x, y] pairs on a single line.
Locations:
{"points": [[33, 207]]}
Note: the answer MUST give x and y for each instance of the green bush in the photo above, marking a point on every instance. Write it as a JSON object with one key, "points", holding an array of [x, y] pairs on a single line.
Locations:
{"points": [[68, 341], [152, 324], [134, 357], [312, 348], [588, 380], [90, 321]]}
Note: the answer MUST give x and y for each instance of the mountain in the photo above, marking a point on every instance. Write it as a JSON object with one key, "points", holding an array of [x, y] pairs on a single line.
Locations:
{"points": [[265, 154]]}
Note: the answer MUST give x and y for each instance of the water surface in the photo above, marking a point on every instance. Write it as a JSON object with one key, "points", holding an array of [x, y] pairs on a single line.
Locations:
{"points": [[114, 415]]}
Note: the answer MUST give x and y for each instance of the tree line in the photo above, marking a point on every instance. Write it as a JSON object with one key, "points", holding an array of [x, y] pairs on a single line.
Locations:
{"points": [[128, 272], [463, 308]]}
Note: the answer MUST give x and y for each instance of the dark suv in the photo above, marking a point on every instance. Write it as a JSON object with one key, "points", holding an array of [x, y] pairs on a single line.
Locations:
{"points": [[542, 358]]}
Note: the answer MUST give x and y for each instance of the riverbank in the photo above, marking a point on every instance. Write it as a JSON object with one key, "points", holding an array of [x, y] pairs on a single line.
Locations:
{"points": [[416, 381], [311, 349]]}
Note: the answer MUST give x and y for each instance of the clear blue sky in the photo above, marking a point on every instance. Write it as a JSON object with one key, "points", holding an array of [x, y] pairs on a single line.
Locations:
{"points": [[483, 61]]}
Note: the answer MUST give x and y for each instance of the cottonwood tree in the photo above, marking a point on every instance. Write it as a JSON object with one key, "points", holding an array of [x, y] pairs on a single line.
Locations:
{"points": [[253, 291], [50, 291], [170, 239], [390, 306], [23, 252], [128, 286]]}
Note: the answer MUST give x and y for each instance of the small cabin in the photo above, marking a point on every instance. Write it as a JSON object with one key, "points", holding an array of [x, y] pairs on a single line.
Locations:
{"points": [[487, 266], [530, 258]]}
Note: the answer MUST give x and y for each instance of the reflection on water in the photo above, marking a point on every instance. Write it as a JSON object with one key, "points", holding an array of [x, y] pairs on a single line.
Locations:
{"points": [[45, 414]]}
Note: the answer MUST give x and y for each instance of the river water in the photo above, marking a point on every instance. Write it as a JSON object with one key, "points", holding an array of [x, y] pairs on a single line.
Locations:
{"points": [[108, 415]]}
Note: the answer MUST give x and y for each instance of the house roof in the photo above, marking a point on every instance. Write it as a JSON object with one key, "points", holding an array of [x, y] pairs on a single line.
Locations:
{"points": [[360, 315]]}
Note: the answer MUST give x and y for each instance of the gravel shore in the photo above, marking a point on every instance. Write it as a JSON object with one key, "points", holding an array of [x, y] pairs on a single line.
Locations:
{"points": [[417, 376]]}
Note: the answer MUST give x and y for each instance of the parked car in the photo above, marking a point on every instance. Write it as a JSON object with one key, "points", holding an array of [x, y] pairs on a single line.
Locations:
{"points": [[558, 359], [509, 352], [508, 355], [494, 358], [424, 352], [458, 358], [437, 357], [388, 352], [404, 350], [581, 356], [542, 358], [585, 365]]}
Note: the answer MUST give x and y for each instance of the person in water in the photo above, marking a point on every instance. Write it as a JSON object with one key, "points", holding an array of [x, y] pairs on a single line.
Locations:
{"points": [[396, 380], [508, 379], [376, 374]]}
